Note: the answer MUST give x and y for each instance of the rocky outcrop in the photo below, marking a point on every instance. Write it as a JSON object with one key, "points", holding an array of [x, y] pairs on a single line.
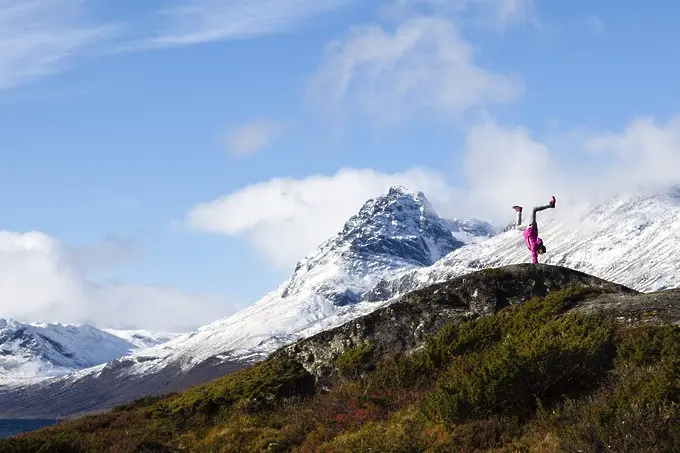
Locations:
{"points": [[659, 307], [405, 324]]}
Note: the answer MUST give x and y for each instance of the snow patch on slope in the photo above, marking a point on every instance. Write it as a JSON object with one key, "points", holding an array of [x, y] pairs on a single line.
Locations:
{"points": [[470, 231], [631, 240], [143, 339], [34, 351]]}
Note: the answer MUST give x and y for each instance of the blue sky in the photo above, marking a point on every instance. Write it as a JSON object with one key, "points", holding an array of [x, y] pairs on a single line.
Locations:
{"points": [[162, 165]]}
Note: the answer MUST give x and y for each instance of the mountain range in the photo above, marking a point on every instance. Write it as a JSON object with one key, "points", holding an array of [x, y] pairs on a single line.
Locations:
{"points": [[30, 352], [395, 244]]}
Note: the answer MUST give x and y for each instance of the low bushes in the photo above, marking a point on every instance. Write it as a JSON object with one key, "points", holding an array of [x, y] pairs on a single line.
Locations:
{"points": [[533, 377]]}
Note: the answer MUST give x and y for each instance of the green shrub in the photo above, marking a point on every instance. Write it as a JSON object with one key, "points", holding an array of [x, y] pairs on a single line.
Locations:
{"points": [[640, 411], [354, 361], [649, 344], [402, 432], [253, 388], [527, 357], [482, 333], [451, 341], [139, 403], [403, 372]]}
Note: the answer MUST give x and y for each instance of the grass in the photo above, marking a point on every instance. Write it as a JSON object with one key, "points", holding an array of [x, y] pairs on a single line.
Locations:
{"points": [[533, 377]]}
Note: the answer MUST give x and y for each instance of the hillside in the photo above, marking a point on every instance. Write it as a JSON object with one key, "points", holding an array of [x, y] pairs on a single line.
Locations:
{"points": [[395, 244], [399, 230], [521, 358]]}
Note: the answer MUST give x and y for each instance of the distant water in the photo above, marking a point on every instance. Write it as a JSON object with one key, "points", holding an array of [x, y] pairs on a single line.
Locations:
{"points": [[13, 427]]}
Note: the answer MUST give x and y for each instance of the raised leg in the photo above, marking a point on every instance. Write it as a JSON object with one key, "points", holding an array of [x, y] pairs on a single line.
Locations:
{"points": [[541, 208], [519, 215]]}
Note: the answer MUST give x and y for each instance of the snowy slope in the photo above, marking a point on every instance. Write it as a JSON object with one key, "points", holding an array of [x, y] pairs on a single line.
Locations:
{"points": [[631, 240], [470, 231], [30, 352], [142, 339], [397, 231]]}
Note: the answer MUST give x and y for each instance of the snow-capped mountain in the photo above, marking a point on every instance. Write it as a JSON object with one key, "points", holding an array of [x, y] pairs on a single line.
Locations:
{"points": [[394, 245], [630, 240], [397, 231], [29, 352]]}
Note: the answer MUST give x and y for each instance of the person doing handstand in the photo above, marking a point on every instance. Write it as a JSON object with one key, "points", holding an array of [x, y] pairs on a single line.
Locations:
{"points": [[533, 242]]}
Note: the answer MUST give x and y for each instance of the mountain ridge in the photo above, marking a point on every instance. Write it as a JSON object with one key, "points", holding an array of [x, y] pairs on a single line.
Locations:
{"points": [[33, 351], [319, 296], [397, 230]]}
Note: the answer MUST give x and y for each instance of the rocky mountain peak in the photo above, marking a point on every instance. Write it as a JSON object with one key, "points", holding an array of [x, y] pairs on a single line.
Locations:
{"points": [[397, 230], [400, 225], [399, 204]]}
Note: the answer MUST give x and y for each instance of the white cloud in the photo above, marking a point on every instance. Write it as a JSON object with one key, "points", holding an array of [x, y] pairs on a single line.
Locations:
{"points": [[41, 280], [40, 37], [646, 153], [128, 306], [424, 65], [253, 136], [496, 14], [288, 218], [201, 21], [504, 165]]}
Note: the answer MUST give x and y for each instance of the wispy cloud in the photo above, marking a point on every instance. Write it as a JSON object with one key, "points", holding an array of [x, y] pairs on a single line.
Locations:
{"points": [[252, 137], [496, 14], [201, 21], [426, 64], [40, 37]]}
